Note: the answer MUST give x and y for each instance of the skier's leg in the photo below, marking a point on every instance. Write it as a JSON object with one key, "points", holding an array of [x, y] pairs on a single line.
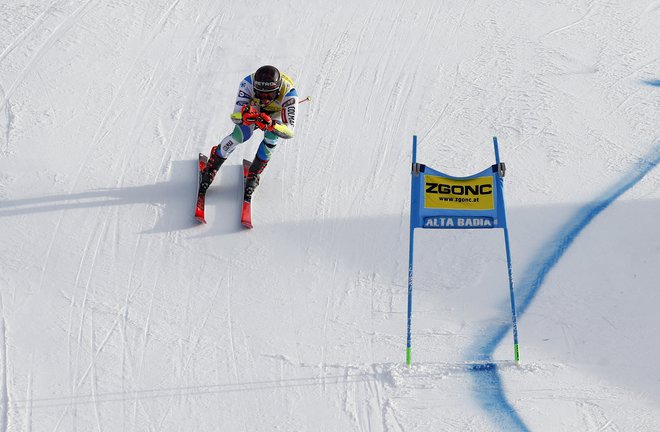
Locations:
{"points": [[212, 166], [221, 152], [259, 163]]}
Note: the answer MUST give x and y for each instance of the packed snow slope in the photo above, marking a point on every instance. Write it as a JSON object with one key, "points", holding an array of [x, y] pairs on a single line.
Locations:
{"points": [[119, 313]]}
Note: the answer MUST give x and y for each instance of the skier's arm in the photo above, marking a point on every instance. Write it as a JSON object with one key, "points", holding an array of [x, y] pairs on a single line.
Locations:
{"points": [[243, 99], [285, 129]]}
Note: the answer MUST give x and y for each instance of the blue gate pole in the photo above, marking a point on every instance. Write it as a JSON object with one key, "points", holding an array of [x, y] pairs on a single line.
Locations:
{"points": [[411, 249], [516, 351]]}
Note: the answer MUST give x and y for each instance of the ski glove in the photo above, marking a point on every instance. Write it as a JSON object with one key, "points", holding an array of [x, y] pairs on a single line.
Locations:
{"points": [[249, 115], [252, 117], [264, 122]]}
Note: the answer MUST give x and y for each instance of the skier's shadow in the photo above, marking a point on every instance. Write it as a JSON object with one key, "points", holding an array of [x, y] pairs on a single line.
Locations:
{"points": [[175, 198]]}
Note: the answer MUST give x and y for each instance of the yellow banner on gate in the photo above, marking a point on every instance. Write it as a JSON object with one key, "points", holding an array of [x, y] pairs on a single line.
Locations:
{"points": [[453, 194]]}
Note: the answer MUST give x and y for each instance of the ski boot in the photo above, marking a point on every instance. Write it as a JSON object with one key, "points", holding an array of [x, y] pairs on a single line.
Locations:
{"points": [[252, 180], [210, 170]]}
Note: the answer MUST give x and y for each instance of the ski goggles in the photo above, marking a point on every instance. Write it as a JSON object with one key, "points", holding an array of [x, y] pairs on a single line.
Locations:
{"points": [[271, 95]]}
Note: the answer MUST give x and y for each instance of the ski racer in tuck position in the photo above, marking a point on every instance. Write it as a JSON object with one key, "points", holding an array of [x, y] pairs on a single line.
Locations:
{"points": [[267, 99]]}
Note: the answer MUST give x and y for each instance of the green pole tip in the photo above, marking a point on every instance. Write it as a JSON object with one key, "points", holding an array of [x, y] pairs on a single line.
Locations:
{"points": [[516, 353]]}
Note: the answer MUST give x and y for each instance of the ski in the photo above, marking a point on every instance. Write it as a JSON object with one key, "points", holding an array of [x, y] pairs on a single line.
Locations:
{"points": [[246, 214], [201, 196]]}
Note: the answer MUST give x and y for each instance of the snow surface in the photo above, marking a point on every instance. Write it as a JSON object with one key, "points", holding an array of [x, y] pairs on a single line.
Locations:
{"points": [[120, 313]]}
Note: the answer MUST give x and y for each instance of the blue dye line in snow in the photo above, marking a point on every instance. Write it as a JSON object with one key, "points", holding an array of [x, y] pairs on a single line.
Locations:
{"points": [[654, 83], [488, 385]]}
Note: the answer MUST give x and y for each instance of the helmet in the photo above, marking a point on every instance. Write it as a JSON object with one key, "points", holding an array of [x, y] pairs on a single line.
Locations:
{"points": [[267, 82]]}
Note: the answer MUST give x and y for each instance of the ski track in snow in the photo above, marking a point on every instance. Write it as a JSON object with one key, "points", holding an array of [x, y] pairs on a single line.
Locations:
{"points": [[4, 365], [57, 32]]}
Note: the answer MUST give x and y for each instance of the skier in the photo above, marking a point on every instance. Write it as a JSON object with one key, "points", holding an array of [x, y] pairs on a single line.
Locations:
{"points": [[267, 99]]}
